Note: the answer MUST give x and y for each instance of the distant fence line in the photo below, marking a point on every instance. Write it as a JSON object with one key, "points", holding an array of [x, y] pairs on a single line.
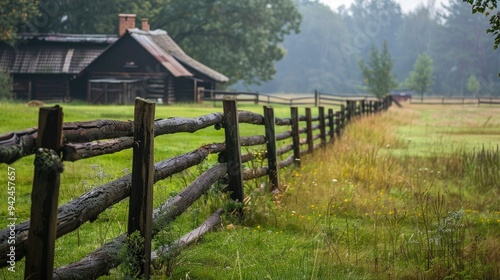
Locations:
{"points": [[456, 101], [315, 99], [54, 141]]}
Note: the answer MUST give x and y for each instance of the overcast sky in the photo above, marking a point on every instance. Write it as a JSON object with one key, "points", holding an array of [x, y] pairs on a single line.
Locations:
{"points": [[406, 5]]}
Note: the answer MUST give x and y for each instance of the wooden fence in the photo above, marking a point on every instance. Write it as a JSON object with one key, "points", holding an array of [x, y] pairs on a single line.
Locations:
{"points": [[316, 99], [456, 101], [54, 141]]}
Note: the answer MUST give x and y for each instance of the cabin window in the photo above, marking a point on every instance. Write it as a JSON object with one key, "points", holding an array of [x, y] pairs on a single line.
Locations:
{"points": [[130, 64]]}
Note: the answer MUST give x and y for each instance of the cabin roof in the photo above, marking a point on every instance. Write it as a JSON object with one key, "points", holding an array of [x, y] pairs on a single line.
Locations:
{"points": [[53, 53], [163, 48], [39, 53]]}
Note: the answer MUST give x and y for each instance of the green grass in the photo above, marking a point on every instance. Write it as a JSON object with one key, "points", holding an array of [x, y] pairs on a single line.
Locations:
{"points": [[81, 176], [373, 206]]}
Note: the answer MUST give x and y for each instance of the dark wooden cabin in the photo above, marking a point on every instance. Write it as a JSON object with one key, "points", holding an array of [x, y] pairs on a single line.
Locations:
{"points": [[106, 68], [46, 66], [147, 64]]}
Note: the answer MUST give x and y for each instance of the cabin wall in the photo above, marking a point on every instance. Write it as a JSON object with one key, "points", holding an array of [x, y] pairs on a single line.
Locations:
{"points": [[184, 90], [48, 87]]}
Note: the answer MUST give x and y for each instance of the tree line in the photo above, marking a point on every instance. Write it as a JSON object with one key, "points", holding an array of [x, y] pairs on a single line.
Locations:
{"points": [[448, 41]]}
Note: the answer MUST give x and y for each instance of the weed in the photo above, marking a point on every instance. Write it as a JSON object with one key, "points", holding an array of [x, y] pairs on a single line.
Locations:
{"points": [[130, 267]]}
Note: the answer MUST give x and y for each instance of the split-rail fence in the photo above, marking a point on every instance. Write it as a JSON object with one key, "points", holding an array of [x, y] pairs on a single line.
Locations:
{"points": [[53, 142]]}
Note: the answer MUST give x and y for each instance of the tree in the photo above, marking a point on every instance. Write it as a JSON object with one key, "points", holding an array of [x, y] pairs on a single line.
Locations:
{"points": [[463, 47], [473, 85], [5, 86], [238, 38], [377, 73], [372, 22], [417, 35], [313, 60], [486, 7], [420, 79], [14, 13]]}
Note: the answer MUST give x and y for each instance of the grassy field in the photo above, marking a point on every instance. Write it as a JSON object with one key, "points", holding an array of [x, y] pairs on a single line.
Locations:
{"points": [[412, 193]]}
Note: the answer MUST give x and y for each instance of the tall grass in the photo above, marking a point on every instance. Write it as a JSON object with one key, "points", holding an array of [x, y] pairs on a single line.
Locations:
{"points": [[368, 207], [375, 205]]}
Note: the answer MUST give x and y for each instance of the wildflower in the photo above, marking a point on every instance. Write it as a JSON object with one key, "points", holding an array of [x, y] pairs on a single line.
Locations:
{"points": [[334, 180]]}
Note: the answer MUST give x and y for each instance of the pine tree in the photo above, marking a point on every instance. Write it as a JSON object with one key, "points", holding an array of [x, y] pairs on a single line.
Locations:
{"points": [[377, 73]]}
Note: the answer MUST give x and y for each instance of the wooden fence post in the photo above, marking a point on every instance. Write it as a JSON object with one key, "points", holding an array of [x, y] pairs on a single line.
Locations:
{"points": [[269, 123], [331, 124], [141, 195], [342, 117], [295, 135], [316, 98], [233, 150], [354, 107], [363, 107], [338, 123], [309, 131], [322, 126], [45, 195]]}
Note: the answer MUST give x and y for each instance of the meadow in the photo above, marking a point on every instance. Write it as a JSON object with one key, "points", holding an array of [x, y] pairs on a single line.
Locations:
{"points": [[412, 193]]}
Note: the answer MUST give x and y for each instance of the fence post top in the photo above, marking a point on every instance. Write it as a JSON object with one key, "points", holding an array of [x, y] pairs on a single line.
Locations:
{"points": [[144, 100]]}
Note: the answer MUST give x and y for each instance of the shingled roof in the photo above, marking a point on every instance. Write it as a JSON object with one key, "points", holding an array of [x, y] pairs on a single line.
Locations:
{"points": [[53, 53], [163, 48]]}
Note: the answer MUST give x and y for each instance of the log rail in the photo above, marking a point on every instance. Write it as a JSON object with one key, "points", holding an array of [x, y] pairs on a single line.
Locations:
{"points": [[79, 140]]}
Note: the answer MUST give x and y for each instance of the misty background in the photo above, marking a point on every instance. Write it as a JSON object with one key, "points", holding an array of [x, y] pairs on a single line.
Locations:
{"points": [[324, 56]]}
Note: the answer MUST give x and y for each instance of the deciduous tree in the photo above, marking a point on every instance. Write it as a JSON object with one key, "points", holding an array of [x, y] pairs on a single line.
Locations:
{"points": [[14, 13], [239, 38], [420, 79], [473, 85]]}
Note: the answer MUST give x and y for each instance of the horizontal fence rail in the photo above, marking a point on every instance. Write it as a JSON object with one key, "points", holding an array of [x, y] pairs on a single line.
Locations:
{"points": [[79, 140], [456, 101], [317, 99]]}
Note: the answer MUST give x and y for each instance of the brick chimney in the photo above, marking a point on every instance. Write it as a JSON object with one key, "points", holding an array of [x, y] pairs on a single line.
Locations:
{"points": [[127, 21], [145, 24]]}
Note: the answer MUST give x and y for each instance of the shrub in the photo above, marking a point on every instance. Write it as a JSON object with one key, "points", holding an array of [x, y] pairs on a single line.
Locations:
{"points": [[6, 86]]}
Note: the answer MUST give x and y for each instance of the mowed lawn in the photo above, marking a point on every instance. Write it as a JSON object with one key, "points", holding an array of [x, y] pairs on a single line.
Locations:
{"points": [[402, 195]]}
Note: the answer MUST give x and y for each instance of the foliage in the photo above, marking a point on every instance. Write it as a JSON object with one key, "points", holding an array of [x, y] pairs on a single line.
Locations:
{"points": [[5, 86], [15, 13], [134, 246], [486, 7], [473, 84], [420, 79], [377, 73], [452, 36], [238, 38], [313, 61], [396, 200]]}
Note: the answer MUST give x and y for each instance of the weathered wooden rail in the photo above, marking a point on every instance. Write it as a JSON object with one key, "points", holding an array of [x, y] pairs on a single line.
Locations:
{"points": [[316, 99], [54, 141], [456, 101]]}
